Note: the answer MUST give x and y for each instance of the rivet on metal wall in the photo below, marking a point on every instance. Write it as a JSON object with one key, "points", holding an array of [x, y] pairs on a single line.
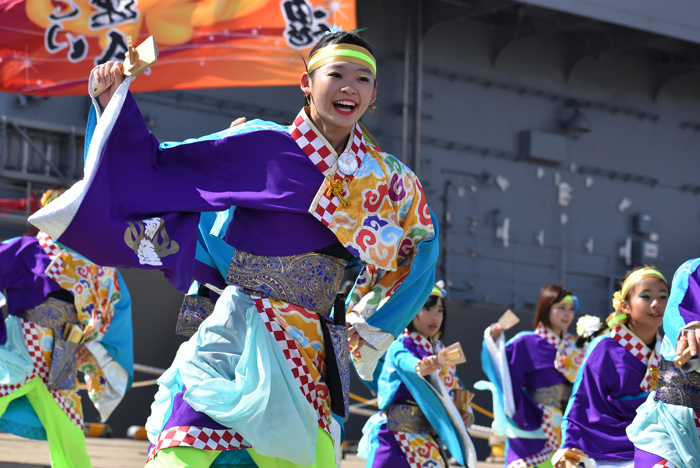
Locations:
{"points": [[540, 238], [502, 183], [589, 181], [589, 245], [565, 195], [503, 232], [540, 172], [624, 204], [563, 219]]}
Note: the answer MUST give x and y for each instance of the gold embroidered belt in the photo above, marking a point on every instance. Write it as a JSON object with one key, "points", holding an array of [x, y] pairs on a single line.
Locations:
{"points": [[407, 418], [310, 280], [52, 313], [55, 314], [554, 395], [676, 388]]}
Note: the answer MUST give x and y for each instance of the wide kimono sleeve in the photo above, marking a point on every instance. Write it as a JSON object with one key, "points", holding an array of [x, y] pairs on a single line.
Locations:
{"points": [[139, 202], [511, 368], [384, 302], [22, 266], [683, 307]]}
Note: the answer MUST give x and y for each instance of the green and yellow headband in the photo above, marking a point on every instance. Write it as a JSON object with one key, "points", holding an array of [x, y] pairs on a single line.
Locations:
{"points": [[438, 292], [342, 53], [634, 278]]}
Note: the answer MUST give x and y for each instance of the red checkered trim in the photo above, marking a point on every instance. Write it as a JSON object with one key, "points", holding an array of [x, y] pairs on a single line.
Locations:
{"points": [[696, 417], [52, 249], [324, 158], [312, 144], [552, 438], [200, 438], [407, 450], [296, 361], [631, 343], [550, 446], [549, 336], [41, 369], [664, 464], [420, 340], [533, 460], [638, 349]]}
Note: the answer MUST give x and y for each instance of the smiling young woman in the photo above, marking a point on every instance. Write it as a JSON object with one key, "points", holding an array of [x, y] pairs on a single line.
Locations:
{"points": [[616, 376], [265, 218]]}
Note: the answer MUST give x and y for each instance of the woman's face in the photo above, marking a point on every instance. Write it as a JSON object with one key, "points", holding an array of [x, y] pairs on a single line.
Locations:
{"points": [[428, 321], [646, 303], [340, 92], [561, 315]]}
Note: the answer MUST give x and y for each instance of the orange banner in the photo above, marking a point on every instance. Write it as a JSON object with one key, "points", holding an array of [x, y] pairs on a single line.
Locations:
{"points": [[48, 47]]}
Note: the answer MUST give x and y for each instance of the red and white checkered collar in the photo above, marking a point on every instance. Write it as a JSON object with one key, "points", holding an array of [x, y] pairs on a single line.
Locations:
{"points": [[632, 343], [317, 148], [549, 336], [419, 339], [47, 243], [637, 348]]}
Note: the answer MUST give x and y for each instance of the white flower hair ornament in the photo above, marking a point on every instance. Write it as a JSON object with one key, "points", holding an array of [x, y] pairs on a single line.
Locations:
{"points": [[587, 325]]}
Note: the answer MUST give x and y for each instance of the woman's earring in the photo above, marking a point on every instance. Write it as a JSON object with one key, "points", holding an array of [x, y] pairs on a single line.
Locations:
{"points": [[371, 108], [307, 99]]}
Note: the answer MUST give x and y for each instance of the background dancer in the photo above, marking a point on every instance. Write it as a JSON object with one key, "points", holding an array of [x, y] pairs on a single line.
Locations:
{"points": [[666, 430], [66, 315], [531, 379], [252, 384], [616, 376], [417, 416]]}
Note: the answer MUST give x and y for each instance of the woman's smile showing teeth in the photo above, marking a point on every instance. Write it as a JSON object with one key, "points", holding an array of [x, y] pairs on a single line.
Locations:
{"points": [[345, 106]]}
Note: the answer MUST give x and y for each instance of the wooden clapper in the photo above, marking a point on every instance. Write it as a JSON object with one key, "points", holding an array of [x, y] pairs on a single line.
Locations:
{"points": [[450, 356], [136, 62], [508, 320]]}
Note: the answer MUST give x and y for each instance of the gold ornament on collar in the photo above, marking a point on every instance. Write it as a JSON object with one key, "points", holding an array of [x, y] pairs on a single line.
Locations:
{"points": [[337, 188]]}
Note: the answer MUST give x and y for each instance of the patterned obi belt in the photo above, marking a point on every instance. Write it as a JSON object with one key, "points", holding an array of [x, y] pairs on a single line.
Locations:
{"points": [[407, 418], [676, 388], [55, 314], [556, 396], [310, 280]]}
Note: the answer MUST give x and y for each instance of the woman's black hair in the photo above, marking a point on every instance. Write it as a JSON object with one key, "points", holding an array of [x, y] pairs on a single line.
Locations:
{"points": [[340, 37], [432, 300]]}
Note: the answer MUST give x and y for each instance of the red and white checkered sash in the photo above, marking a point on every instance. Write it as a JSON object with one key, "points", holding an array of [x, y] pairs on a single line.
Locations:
{"points": [[52, 249], [322, 154], [294, 359], [641, 351], [33, 338]]}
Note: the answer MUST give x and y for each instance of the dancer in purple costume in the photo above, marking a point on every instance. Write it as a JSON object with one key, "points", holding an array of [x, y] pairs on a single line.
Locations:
{"points": [[616, 376], [530, 378]]}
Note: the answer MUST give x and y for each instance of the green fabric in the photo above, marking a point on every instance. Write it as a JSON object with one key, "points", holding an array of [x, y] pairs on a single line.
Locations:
{"points": [[66, 441], [181, 457], [324, 457]]}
